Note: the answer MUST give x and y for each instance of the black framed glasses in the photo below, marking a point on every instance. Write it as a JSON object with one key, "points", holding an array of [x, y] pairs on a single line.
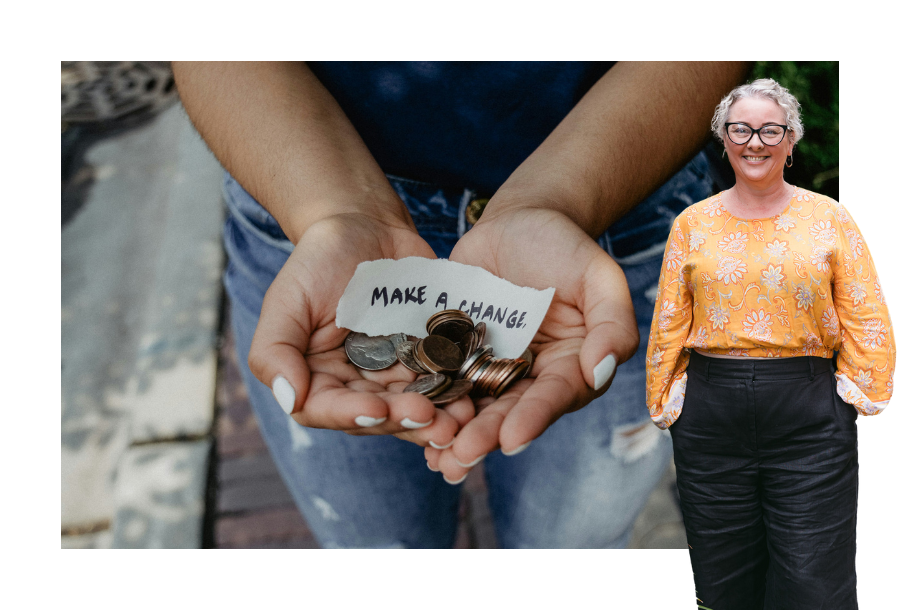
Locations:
{"points": [[741, 133]]}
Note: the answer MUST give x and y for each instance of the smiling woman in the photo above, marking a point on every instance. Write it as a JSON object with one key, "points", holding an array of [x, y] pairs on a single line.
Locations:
{"points": [[764, 282]]}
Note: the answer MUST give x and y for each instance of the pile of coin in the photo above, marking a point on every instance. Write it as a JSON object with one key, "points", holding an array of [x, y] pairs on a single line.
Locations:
{"points": [[453, 357]]}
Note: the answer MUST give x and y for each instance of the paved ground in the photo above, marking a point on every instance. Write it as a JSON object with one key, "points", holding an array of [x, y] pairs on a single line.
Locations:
{"points": [[159, 445]]}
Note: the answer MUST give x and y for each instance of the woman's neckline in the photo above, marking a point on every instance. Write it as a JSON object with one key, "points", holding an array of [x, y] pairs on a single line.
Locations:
{"points": [[783, 210]]}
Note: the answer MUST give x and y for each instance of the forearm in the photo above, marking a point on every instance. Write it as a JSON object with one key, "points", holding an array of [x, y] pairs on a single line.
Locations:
{"points": [[633, 130], [282, 135]]}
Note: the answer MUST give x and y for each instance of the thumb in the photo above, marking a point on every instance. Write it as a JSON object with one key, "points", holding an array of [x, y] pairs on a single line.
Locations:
{"points": [[276, 354], [612, 332]]}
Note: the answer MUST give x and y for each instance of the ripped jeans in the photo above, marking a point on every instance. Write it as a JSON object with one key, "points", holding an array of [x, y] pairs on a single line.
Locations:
{"points": [[581, 484]]}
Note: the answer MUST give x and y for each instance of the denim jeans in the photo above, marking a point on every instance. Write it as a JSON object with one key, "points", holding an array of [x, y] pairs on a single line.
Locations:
{"points": [[581, 484]]}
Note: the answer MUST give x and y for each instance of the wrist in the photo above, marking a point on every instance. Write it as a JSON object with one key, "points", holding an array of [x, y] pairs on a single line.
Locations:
{"points": [[583, 213], [383, 209]]}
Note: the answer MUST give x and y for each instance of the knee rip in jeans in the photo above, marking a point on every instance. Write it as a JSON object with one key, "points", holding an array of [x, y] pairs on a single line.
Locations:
{"points": [[631, 442], [325, 509], [300, 438]]}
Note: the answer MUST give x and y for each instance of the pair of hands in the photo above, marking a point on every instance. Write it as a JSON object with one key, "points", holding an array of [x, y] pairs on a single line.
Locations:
{"points": [[591, 317]]}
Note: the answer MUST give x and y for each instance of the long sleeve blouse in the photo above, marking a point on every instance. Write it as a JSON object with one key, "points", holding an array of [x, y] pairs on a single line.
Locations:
{"points": [[801, 283]]}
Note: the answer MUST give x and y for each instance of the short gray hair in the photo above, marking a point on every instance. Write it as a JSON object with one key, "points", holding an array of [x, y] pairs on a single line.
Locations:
{"points": [[761, 88]]}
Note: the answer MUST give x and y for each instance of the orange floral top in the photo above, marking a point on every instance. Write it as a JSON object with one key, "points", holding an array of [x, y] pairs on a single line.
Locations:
{"points": [[801, 283]]}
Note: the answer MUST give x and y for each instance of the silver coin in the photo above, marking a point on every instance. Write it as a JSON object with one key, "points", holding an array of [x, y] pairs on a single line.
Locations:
{"points": [[430, 385], [406, 355], [397, 339], [370, 353], [474, 358]]}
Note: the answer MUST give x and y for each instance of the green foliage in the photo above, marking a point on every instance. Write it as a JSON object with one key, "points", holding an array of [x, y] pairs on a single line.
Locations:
{"points": [[815, 85]]}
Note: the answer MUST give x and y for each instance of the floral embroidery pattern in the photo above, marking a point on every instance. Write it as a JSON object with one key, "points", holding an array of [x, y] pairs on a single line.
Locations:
{"points": [[674, 258], [842, 214], [731, 270], [700, 338], [666, 312], [758, 325], [830, 322], [863, 381], [772, 277], [734, 242], [823, 232], [718, 317], [803, 286], [821, 259], [857, 293], [804, 297], [875, 333], [803, 195], [785, 223], [857, 247], [695, 240], [776, 248], [812, 345], [714, 208]]}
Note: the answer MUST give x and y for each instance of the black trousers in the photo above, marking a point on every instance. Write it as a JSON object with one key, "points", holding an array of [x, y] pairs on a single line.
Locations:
{"points": [[767, 471]]}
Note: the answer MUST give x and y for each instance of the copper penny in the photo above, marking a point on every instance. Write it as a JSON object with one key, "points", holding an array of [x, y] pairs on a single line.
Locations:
{"points": [[476, 375], [442, 316], [439, 354], [456, 390], [480, 332], [511, 374], [453, 329], [468, 344]]}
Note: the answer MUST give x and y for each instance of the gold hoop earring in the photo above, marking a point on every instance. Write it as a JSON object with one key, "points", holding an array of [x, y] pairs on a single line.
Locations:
{"points": [[790, 161]]}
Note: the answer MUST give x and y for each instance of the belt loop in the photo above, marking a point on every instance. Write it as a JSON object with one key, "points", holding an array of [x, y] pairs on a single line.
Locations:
{"points": [[812, 368]]}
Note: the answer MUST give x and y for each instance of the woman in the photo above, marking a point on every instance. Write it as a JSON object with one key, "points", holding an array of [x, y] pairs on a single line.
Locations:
{"points": [[761, 284], [311, 145]]}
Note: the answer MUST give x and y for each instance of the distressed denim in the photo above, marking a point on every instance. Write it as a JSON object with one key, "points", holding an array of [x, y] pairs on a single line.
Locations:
{"points": [[581, 484]]}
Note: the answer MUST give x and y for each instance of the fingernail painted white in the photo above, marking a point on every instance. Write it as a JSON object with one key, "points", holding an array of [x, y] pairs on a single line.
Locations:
{"points": [[478, 459], [365, 421], [456, 482], [603, 371], [517, 450], [436, 446], [412, 425], [284, 394]]}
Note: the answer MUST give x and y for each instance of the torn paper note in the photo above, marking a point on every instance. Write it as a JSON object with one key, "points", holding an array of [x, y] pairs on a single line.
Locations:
{"points": [[393, 296]]}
